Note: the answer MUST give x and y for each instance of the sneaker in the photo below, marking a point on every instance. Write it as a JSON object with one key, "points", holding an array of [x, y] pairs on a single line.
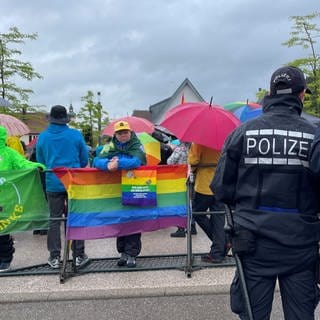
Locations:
{"points": [[193, 229], [180, 233], [123, 260], [54, 263], [4, 266], [208, 258], [131, 262], [82, 260]]}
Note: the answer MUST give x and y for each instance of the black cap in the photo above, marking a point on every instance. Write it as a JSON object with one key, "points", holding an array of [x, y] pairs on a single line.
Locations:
{"points": [[288, 80]]}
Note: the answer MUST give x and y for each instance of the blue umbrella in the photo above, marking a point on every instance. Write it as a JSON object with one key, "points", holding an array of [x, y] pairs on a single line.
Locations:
{"points": [[246, 113]]}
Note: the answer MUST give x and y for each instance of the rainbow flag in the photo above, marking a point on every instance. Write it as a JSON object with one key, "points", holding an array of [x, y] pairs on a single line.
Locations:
{"points": [[95, 208]]}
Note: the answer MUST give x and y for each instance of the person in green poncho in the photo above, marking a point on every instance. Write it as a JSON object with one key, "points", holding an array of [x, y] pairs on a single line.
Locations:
{"points": [[124, 152], [10, 159]]}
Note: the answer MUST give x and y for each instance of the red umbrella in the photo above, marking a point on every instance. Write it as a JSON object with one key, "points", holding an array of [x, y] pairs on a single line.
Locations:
{"points": [[14, 126], [136, 124], [202, 123]]}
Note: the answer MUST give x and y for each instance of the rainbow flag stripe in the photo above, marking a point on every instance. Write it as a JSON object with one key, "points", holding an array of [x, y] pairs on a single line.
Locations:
{"points": [[94, 203]]}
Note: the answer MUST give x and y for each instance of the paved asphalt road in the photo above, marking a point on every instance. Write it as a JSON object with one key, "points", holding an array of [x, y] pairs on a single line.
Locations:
{"points": [[147, 295], [205, 307]]}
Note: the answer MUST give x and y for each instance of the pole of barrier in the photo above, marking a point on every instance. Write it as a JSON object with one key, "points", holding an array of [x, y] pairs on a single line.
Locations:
{"points": [[229, 228], [189, 221], [64, 261]]}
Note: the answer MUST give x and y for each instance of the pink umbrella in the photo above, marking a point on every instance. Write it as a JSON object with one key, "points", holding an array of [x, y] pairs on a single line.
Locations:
{"points": [[136, 124], [202, 123], [14, 126]]}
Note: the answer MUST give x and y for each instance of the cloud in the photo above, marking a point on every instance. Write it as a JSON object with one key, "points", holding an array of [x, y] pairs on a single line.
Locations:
{"points": [[137, 53]]}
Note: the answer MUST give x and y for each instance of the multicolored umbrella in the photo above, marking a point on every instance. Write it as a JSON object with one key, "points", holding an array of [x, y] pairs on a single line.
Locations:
{"points": [[238, 104], [246, 113], [136, 124], [14, 126], [201, 122], [151, 147]]}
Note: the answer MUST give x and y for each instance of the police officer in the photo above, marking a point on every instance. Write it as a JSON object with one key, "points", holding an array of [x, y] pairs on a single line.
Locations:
{"points": [[264, 172]]}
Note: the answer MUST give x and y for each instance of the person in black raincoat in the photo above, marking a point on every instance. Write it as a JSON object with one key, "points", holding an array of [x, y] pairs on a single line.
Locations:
{"points": [[264, 173]]}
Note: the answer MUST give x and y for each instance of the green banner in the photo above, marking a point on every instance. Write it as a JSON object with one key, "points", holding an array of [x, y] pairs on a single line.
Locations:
{"points": [[22, 201]]}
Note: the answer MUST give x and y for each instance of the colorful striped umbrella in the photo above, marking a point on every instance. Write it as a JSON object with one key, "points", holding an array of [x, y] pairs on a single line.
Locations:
{"points": [[246, 113], [151, 147], [238, 104]]}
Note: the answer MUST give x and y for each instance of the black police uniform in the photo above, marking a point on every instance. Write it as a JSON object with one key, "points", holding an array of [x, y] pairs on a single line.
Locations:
{"points": [[264, 172]]}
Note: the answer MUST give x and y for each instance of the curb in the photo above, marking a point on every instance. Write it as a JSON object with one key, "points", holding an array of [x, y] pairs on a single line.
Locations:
{"points": [[112, 294], [115, 286]]}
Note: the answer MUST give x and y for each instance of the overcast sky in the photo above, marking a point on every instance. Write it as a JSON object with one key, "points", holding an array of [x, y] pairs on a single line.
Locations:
{"points": [[137, 53]]}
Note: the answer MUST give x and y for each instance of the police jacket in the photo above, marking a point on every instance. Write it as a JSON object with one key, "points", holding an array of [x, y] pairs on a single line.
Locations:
{"points": [[264, 172]]}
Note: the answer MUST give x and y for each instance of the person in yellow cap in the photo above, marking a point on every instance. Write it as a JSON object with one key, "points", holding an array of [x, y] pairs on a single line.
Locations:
{"points": [[124, 152]]}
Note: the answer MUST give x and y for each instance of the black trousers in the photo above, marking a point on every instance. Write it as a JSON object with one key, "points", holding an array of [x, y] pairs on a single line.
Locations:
{"points": [[131, 244], [212, 225], [294, 268], [6, 248]]}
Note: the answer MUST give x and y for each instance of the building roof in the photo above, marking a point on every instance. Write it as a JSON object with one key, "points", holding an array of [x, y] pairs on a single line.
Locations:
{"points": [[158, 109], [36, 121], [142, 114]]}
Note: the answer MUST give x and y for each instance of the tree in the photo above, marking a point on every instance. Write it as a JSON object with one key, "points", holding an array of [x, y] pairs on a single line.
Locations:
{"points": [[304, 34], [89, 118], [11, 67], [261, 94]]}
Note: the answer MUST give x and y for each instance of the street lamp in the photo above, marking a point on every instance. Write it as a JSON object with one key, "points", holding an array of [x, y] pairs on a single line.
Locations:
{"points": [[99, 117]]}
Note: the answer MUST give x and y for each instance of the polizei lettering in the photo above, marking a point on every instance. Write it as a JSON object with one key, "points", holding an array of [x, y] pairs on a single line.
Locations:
{"points": [[277, 147]]}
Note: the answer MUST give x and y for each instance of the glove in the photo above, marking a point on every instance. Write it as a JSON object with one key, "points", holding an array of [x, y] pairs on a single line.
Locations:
{"points": [[243, 242]]}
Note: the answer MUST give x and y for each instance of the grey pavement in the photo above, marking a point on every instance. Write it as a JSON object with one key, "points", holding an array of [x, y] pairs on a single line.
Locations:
{"points": [[113, 289], [31, 250]]}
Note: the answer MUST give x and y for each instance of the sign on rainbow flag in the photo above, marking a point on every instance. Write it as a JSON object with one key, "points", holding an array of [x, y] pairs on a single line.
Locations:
{"points": [[95, 208], [139, 187]]}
